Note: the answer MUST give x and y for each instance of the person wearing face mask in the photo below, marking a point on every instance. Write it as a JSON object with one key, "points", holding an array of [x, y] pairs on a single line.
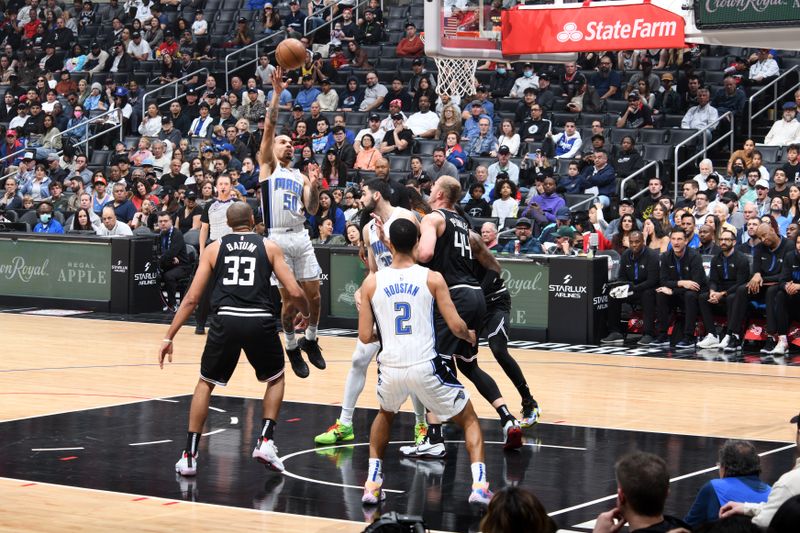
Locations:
{"points": [[528, 79], [47, 224], [501, 81]]}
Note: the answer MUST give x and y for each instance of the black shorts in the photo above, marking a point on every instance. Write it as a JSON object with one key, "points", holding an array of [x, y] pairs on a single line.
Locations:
{"points": [[229, 335], [471, 307], [498, 317]]}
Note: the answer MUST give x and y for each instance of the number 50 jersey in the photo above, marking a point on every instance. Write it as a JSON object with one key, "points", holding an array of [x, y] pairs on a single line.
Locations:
{"points": [[282, 199], [403, 309], [242, 276]]}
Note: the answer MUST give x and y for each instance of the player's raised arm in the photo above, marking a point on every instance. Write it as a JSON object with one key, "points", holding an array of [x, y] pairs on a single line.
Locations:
{"points": [[286, 278], [204, 270], [311, 189], [365, 318], [429, 232], [266, 159], [441, 294]]}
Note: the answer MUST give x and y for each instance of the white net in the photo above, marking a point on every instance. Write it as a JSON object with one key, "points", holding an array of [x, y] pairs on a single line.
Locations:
{"points": [[456, 76]]}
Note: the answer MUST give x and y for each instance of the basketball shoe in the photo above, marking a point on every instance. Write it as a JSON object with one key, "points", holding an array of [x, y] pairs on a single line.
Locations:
{"points": [[312, 350], [373, 494], [187, 464], [336, 433], [530, 413], [480, 494], [425, 449], [299, 366], [512, 433], [266, 453]]}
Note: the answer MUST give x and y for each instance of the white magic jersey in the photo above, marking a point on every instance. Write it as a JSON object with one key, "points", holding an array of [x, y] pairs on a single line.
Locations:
{"points": [[283, 201], [403, 310], [383, 257]]}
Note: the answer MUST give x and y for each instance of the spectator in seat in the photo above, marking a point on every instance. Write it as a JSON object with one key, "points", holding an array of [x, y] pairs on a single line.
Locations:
{"points": [[646, 73], [768, 257], [505, 204], [440, 166], [701, 115], [645, 206], [307, 94], [792, 165], [636, 115], [763, 70], [639, 269], [489, 229], [668, 101], [418, 72], [688, 223], [477, 206], [47, 224], [453, 151], [398, 140], [472, 122], [328, 99], [373, 129], [374, 94], [504, 164], [411, 45], [785, 131], [625, 207], [567, 143], [571, 81], [606, 81], [523, 109], [111, 227], [600, 178], [690, 189], [483, 143], [450, 122], [397, 93], [425, 122], [730, 98], [543, 207], [502, 81], [124, 210], [682, 279], [745, 153], [528, 244], [529, 79], [627, 159], [707, 236]]}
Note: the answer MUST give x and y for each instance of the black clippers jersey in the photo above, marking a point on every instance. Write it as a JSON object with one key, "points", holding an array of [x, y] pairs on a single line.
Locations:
{"points": [[452, 257], [242, 274]]}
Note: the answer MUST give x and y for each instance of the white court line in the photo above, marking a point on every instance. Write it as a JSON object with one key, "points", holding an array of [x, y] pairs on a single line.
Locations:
{"points": [[148, 443], [217, 409], [165, 400], [57, 449], [213, 432], [234, 420], [672, 480]]}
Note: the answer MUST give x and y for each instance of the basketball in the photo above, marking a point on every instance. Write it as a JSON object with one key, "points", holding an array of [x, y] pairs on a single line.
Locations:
{"points": [[291, 54]]}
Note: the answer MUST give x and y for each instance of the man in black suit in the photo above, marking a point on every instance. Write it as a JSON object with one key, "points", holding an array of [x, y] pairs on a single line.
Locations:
{"points": [[174, 261]]}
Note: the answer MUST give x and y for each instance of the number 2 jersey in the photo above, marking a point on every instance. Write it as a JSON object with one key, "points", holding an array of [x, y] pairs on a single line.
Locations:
{"points": [[403, 309], [282, 199], [452, 256], [242, 277]]}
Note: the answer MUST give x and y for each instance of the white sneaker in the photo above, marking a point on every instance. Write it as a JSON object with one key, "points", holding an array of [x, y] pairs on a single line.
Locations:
{"points": [[726, 340], [266, 453], [781, 347], [709, 341], [373, 494], [425, 449], [187, 464], [512, 433]]}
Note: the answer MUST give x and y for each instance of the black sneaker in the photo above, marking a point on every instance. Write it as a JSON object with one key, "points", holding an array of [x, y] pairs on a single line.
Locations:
{"points": [[314, 353], [687, 343], [662, 341], [734, 344], [614, 337], [646, 340], [530, 413], [199, 330], [299, 366], [768, 346]]}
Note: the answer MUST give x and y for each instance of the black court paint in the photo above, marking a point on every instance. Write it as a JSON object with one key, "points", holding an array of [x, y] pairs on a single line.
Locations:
{"points": [[132, 448]]}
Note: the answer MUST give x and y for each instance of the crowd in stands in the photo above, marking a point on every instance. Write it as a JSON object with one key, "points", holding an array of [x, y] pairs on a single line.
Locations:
{"points": [[737, 501]]}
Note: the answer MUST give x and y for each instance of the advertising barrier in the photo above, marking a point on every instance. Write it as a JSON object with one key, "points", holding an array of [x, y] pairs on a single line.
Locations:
{"points": [[710, 14]]}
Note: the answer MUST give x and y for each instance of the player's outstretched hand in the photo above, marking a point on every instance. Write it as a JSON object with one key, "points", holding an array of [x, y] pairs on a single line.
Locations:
{"points": [[314, 173], [164, 351], [277, 79]]}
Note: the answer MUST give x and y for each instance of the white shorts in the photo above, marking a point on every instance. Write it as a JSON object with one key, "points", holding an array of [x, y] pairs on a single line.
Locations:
{"points": [[299, 254], [431, 382]]}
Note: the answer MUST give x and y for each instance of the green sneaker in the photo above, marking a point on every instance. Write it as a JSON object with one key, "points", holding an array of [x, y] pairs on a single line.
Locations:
{"points": [[420, 431], [336, 433]]}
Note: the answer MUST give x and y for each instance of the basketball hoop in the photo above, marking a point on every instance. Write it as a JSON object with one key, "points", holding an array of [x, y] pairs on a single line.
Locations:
{"points": [[456, 75]]}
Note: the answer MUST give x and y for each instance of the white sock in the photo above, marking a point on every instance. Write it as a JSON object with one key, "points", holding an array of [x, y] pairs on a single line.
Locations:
{"points": [[478, 472], [311, 332], [782, 338], [291, 340], [419, 409], [374, 474], [356, 378]]}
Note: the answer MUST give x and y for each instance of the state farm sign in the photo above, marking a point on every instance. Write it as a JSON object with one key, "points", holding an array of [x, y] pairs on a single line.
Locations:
{"points": [[588, 28]]}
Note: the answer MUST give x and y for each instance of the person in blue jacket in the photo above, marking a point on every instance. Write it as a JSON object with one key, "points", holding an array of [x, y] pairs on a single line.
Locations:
{"points": [[47, 224], [601, 175]]}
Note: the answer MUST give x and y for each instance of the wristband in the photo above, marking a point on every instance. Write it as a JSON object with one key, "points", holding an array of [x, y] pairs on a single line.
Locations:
{"points": [[305, 317], [168, 341]]}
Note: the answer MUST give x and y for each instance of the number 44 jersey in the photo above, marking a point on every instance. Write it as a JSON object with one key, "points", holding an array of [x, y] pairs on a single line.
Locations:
{"points": [[452, 257], [403, 309], [242, 276]]}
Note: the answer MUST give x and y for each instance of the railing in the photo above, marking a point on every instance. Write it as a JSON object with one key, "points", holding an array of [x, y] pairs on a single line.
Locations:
{"points": [[271, 37], [86, 138], [701, 153], [631, 176], [175, 84], [773, 102], [323, 8]]}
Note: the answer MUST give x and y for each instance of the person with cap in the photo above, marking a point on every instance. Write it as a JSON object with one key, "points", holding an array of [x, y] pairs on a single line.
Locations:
{"points": [[786, 488], [295, 19], [242, 35], [374, 129], [121, 62], [253, 108], [399, 140], [668, 101], [731, 98], [200, 25], [625, 207], [471, 126], [418, 72], [529, 79], [17, 124], [639, 274], [785, 131], [762, 199], [307, 94], [411, 44], [565, 242], [563, 218], [637, 114], [284, 102], [328, 99], [481, 97], [395, 107], [763, 68], [100, 194], [139, 48], [269, 22], [169, 46], [504, 164]]}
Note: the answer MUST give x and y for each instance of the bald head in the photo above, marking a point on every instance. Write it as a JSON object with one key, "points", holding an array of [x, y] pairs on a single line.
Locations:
{"points": [[450, 188], [240, 215]]}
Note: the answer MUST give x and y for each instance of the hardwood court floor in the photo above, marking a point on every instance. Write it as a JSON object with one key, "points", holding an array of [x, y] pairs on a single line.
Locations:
{"points": [[52, 365]]}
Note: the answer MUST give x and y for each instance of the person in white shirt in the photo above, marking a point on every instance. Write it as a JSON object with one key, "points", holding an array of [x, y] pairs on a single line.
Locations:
{"points": [[424, 122], [701, 115], [18, 122], [508, 137], [199, 126], [785, 131], [503, 164], [528, 79], [764, 69], [138, 48], [264, 69], [111, 227], [328, 99], [200, 25], [506, 205], [374, 129], [151, 122]]}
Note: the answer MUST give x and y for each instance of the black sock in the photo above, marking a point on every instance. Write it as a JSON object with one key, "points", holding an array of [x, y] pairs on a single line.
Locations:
{"points": [[267, 428], [525, 393], [505, 414], [192, 442], [435, 433]]}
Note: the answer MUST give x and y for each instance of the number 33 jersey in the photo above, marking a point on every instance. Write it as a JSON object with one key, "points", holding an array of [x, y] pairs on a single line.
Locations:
{"points": [[283, 201], [403, 309], [242, 276]]}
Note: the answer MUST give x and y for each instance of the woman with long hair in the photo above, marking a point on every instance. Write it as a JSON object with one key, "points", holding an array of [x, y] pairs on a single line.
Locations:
{"points": [[714, 223], [328, 209], [154, 35], [647, 98], [424, 89], [82, 220], [170, 70], [352, 234], [300, 135], [270, 20], [140, 193], [334, 170], [368, 155], [620, 241], [51, 140], [453, 151], [656, 229], [793, 209], [516, 509], [508, 136], [450, 121], [778, 210]]}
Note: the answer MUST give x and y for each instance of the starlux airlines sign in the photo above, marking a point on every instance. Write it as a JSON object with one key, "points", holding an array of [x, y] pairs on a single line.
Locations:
{"points": [[589, 27]]}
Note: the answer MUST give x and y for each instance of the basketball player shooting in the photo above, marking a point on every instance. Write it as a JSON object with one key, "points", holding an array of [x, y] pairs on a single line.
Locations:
{"points": [[399, 300], [285, 195], [240, 266]]}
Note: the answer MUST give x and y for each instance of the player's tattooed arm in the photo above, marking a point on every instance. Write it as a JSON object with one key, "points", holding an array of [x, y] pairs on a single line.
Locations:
{"points": [[266, 159], [482, 254]]}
